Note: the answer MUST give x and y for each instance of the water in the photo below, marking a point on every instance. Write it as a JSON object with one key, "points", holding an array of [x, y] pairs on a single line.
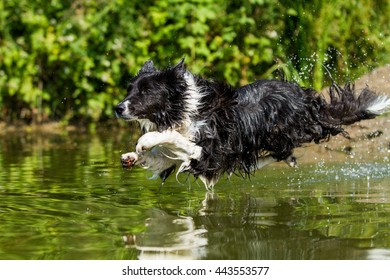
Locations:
{"points": [[65, 196]]}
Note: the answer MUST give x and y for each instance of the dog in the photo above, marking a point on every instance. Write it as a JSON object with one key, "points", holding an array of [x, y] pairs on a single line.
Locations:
{"points": [[208, 128]]}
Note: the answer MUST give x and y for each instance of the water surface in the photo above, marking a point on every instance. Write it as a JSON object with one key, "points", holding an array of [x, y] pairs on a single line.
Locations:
{"points": [[65, 196]]}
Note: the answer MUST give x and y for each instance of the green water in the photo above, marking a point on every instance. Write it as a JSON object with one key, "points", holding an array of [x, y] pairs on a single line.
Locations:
{"points": [[65, 196]]}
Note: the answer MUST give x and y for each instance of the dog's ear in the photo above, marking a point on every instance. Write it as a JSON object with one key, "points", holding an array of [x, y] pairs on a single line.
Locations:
{"points": [[180, 67], [148, 67]]}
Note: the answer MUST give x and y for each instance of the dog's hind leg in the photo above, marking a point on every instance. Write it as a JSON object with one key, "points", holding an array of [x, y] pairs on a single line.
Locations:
{"points": [[291, 161], [263, 161]]}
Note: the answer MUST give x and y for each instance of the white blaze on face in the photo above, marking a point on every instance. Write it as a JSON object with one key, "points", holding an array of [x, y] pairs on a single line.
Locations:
{"points": [[126, 112]]}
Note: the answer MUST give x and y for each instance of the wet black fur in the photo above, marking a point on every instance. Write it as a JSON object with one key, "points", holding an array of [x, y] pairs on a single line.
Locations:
{"points": [[157, 96], [240, 125]]}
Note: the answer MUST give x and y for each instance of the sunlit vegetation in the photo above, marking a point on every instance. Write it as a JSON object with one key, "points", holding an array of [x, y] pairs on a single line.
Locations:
{"points": [[70, 61]]}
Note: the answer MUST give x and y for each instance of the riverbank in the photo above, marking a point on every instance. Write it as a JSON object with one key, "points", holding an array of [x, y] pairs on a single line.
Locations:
{"points": [[369, 139]]}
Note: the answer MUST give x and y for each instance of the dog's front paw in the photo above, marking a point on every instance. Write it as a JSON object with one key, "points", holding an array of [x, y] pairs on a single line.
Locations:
{"points": [[147, 142], [129, 159]]}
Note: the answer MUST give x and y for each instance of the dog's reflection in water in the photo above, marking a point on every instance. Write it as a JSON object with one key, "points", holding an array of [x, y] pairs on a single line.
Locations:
{"points": [[168, 237]]}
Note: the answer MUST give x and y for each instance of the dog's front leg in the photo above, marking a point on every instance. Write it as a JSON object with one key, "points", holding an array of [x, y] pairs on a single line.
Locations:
{"points": [[172, 140], [156, 161]]}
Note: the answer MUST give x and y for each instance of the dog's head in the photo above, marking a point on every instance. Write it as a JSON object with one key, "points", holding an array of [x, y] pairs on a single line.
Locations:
{"points": [[155, 95]]}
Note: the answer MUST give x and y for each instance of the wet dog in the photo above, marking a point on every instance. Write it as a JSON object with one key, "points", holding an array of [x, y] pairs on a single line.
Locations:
{"points": [[208, 128]]}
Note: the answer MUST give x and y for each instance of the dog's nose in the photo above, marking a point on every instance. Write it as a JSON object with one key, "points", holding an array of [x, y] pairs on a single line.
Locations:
{"points": [[119, 109]]}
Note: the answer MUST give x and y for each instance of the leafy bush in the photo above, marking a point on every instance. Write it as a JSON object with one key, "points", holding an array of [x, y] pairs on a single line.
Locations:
{"points": [[70, 60]]}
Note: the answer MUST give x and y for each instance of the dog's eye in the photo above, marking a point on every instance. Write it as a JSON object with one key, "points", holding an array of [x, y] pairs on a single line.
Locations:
{"points": [[144, 90]]}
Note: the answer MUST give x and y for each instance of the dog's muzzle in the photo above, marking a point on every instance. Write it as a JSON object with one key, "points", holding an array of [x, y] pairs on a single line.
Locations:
{"points": [[119, 110]]}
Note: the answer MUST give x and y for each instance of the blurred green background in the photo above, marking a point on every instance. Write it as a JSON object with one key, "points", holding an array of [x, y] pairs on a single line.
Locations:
{"points": [[70, 61]]}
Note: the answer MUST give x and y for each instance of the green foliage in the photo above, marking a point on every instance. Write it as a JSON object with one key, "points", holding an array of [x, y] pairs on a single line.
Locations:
{"points": [[70, 60]]}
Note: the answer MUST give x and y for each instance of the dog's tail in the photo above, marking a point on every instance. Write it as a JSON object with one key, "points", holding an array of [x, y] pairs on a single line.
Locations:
{"points": [[347, 107]]}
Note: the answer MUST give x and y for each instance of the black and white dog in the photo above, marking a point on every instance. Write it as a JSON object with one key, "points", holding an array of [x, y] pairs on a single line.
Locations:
{"points": [[208, 128]]}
